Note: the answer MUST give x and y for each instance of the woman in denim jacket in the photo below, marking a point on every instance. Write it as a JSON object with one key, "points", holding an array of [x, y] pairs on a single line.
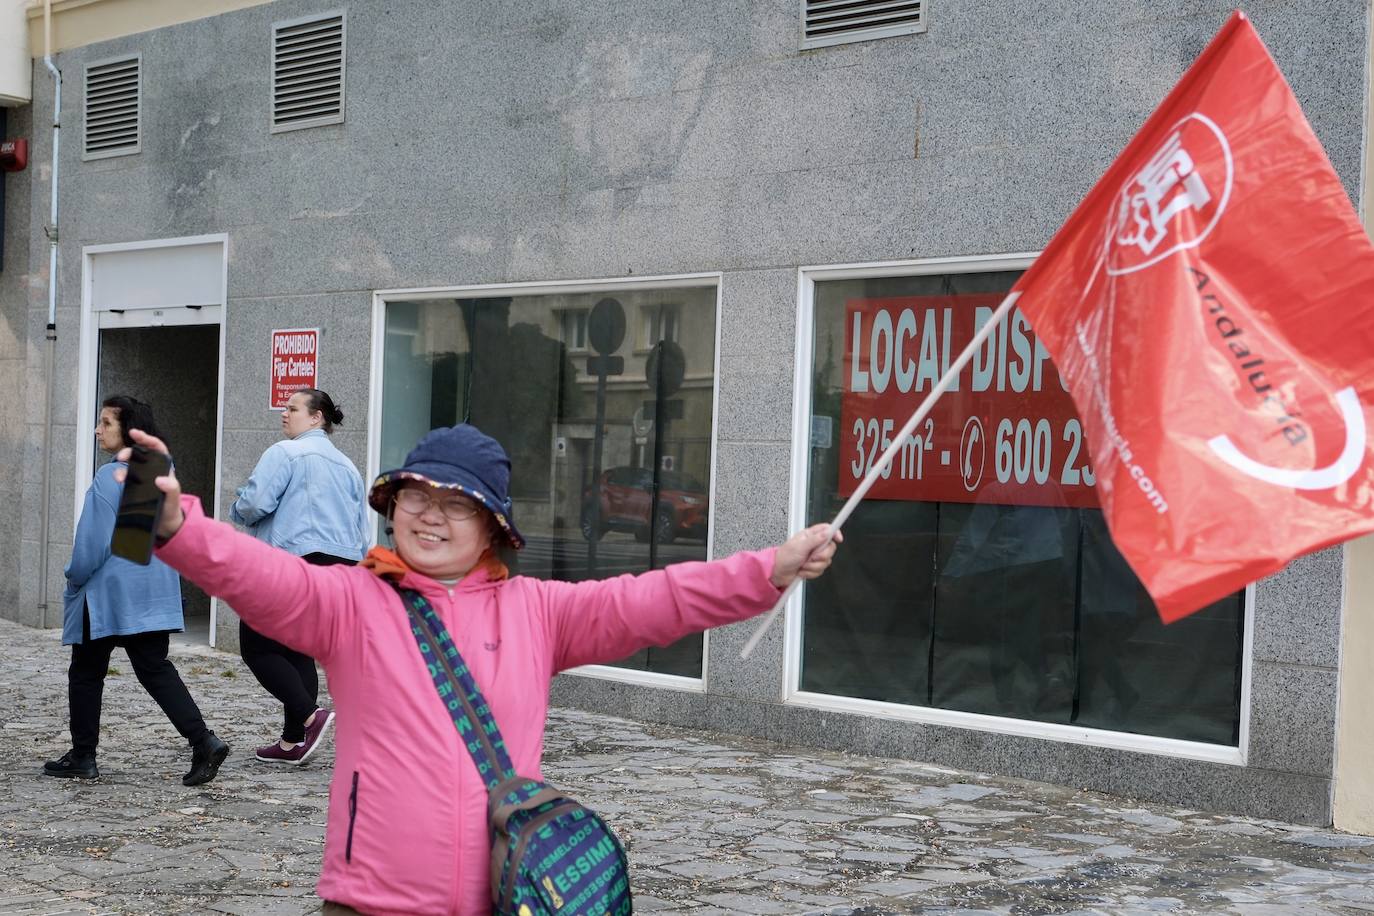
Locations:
{"points": [[305, 497], [112, 603]]}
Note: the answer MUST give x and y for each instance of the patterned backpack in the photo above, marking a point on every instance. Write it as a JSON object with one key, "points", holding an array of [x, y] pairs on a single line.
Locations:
{"points": [[549, 854]]}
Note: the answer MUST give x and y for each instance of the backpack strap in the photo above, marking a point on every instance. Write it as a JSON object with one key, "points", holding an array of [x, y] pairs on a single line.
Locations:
{"points": [[459, 692], [512, 796]]}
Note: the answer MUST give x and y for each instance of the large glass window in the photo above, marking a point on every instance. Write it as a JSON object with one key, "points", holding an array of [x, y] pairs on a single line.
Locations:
{"points": [[608, 428], [979, 575]]}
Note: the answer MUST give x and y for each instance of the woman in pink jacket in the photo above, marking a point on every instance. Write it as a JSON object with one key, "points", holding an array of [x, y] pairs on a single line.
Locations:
{"points": [[407, 826]]}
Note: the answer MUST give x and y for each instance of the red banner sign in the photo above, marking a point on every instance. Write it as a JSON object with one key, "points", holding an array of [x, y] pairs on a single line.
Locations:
{"points": [[295, 364], [1006, 432], [1211, 306]]}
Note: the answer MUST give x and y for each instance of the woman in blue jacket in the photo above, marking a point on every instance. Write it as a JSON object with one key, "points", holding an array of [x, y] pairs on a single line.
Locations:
{"points": [[305, 497], [111, 602]]}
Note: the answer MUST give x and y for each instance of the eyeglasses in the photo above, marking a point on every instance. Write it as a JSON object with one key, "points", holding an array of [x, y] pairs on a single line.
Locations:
{"points": [[415, 501]]}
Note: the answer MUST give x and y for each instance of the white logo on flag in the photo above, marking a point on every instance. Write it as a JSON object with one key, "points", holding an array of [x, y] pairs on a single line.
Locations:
{"points": [[1189, 175], [1168, 184]]}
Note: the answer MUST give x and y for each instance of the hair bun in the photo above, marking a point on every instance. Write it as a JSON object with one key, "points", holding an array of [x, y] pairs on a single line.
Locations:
{"points": [[337, 417]]}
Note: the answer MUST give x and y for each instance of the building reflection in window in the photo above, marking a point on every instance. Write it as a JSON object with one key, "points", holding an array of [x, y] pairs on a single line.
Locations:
{"points": [[523, 369]]}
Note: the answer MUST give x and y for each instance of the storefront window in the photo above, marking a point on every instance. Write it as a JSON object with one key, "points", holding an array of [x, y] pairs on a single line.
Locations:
{"points": [[978, 575], [593, 499]]}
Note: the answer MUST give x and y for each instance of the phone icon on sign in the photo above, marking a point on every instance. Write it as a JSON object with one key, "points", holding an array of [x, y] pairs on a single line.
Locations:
{"points": [[972, 453]]}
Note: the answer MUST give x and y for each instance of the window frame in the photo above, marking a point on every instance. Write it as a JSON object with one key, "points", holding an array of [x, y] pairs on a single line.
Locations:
{"points": [[578, 316], [715, 279], [793, 695], [650, 325]]}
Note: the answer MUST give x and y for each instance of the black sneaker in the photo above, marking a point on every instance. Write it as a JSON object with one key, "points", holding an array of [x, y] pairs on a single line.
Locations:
{"points": [[70, 765], [205, 760]]}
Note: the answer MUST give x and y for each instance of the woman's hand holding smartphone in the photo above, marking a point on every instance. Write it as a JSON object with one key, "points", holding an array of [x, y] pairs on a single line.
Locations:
{"points": [[140, 504], [169, 516]]}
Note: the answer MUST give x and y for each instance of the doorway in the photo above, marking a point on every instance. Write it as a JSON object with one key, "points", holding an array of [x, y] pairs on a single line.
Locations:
{"points": [[152, 327], [176, 371]]}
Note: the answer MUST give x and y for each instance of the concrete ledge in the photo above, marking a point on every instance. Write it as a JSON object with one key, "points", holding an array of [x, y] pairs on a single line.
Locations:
{"points": [[1252, 791]]}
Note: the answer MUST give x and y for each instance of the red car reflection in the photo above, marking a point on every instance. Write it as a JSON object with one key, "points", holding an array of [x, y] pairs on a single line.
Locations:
{"points": [[625, 498]]}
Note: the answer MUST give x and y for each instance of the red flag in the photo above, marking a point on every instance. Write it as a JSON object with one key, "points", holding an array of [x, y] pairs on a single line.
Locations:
{"points": [[1211, 306]]}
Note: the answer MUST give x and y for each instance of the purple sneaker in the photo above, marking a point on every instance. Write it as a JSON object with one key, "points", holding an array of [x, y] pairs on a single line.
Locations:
{"points": [[315, 732], [273, 753], [296, 756]]}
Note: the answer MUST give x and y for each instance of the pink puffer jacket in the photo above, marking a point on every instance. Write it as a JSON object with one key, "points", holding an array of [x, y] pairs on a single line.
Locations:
{"points": [[407, 811]]}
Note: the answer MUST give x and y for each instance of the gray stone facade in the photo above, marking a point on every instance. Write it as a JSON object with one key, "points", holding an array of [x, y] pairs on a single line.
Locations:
{"points": [[493, 143]]}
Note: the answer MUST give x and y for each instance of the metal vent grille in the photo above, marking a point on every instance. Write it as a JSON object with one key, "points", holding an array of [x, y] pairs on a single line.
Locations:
{"points": [[831, 22], [308, 72], [113, 108]]}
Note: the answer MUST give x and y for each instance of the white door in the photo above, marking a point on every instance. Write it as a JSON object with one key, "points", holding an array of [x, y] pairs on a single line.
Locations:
{"points": [[152, 326]]}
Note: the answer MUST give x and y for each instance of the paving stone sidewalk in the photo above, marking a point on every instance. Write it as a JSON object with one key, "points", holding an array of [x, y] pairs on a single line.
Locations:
{"points": [[713, 823]]}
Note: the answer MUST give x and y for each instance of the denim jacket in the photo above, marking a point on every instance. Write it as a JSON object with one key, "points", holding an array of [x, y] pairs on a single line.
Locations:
{"points": [[305, 496], [122, 597]]}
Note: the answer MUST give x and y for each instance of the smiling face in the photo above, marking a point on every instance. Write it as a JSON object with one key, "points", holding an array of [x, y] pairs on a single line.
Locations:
{"points": [[108, 431], [429, 540], [297, 418]]}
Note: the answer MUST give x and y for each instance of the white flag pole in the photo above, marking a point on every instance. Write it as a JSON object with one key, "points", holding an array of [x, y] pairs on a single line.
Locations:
{"points": [[885, 461]]}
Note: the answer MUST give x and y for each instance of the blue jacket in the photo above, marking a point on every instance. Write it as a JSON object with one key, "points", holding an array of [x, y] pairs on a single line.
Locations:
{"points": [[305, 496], [122, 597]]}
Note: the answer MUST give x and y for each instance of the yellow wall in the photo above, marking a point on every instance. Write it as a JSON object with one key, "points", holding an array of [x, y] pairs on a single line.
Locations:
{"points": [[1352, 806], [82, 22]]}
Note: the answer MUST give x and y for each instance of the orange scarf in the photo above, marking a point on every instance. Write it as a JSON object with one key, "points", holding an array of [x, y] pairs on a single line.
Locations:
{"points": [[386, 563]]}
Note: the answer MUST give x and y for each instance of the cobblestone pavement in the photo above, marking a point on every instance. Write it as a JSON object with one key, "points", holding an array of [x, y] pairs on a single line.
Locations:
{"points": [[713, 823]]}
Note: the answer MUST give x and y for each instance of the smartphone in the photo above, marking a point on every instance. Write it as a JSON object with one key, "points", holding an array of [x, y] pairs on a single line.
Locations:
{"points": [[139, 506]]}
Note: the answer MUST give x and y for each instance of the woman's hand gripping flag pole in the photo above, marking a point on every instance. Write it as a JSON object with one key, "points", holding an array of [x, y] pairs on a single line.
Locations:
{"points": [[890, 453]]}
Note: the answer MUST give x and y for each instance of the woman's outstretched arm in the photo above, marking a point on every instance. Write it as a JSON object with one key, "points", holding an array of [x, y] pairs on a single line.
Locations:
{"points": [[597, 622], [309, 608]]}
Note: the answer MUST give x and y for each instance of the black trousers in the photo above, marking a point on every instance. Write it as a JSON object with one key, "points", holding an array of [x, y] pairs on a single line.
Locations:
{"points": [[287, 674], [148, 655]]}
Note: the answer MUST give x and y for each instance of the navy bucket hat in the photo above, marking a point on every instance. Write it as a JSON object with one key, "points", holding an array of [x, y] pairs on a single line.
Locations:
{"points": [[461, 458]]}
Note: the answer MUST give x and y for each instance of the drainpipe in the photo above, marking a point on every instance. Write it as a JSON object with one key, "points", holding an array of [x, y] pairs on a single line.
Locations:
{"points": [[49, 357]]}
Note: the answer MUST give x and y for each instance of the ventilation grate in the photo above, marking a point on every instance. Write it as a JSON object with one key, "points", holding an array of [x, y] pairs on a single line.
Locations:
{"points": [[830, 22], [113, 108], [308, 72]]}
